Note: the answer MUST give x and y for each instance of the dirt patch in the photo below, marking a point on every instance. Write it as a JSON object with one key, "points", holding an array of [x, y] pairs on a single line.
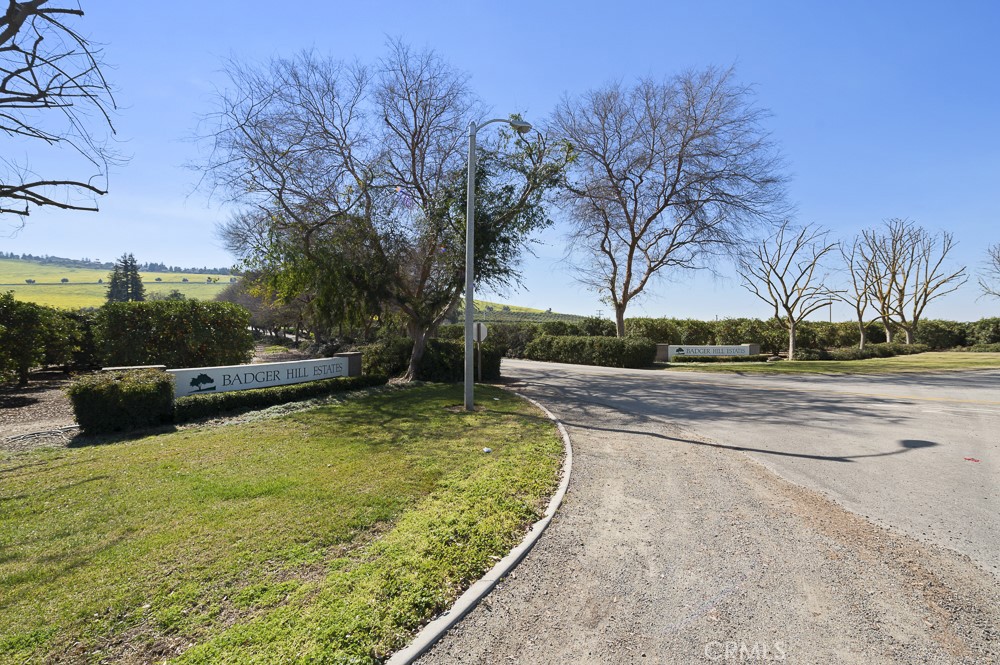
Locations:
{"points": [[42, 405]]}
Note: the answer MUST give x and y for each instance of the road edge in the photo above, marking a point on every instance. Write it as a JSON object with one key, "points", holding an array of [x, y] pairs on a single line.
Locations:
{"points": [[436, 629]]}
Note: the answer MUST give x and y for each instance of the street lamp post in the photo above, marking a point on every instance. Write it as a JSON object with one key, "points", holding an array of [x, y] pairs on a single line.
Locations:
{"points": [[470, 236]]}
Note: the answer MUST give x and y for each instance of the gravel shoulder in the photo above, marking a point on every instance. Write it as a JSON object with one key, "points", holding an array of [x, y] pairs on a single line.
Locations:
{"points": [[668, 552]]}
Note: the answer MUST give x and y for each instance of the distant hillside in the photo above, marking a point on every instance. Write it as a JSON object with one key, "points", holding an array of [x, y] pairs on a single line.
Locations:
{"points": [[95, 264], [500, 313], [86, 287]]}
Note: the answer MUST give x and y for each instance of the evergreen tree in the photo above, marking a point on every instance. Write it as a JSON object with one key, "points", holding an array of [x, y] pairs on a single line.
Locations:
{"points": [[124, 283]]}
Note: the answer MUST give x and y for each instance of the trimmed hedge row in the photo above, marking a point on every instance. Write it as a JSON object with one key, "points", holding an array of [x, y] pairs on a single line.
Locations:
{"points": [[120, 401], [721, 359], [854, 353], [194, 407], [443, 361], [32, 335], [136, 399], [187, 333], [513, 338], [602, 351]]}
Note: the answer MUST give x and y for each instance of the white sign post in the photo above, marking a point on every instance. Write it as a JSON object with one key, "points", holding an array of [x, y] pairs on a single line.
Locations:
{"points": [[479, 333], [198, 380]]}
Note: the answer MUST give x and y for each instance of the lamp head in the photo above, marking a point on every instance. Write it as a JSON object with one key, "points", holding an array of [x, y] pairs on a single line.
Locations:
{"points": [[520, 126]]}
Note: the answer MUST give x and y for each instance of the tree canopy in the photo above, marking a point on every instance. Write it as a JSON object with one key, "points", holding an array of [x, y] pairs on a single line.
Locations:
{"points": [[124, 282], [668, 173], [352, 181]]}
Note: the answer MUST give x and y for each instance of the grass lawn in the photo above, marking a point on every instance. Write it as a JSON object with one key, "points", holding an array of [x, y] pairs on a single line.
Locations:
{"points": [[327, 535], [922, 362]]}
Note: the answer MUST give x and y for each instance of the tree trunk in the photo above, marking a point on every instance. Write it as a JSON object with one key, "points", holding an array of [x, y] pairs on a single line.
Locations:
{"points": [[791, 340], [863, 334], [419, 336], [888, 330], [909, 332], [620, 320]]}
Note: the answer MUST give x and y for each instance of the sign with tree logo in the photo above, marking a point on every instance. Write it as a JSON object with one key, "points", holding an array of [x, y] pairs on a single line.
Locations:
{"points": [[243, 377]]}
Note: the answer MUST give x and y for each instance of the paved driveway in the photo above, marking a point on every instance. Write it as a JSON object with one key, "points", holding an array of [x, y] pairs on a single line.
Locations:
{"points": [[673, 547], [893, 448]]}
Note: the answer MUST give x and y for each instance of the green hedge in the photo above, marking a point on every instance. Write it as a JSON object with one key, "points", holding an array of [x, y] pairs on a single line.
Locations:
{"points": [[194, 407], [186, 333], [33, 335], [443, 361], [983, 348], [603, 351], [120, 401], [854, 353], [984, 331], [721, 359]]}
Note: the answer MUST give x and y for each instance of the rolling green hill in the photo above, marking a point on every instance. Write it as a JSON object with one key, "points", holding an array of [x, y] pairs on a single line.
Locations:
{"points": [[83, 288]]}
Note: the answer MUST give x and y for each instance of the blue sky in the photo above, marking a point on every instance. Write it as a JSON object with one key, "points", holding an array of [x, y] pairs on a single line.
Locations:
{"points": [[880, 109]]}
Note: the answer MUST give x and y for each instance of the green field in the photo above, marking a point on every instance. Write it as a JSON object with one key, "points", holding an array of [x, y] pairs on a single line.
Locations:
{"points": [[329, 535], [83, 289], [921, 362], [492, 312]]}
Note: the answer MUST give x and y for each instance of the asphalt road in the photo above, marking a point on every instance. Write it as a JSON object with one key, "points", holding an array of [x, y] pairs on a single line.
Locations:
{"points": [[915, 452]]}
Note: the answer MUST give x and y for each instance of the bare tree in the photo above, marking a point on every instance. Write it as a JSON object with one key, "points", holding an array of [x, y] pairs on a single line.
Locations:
{"points": [[989, 277], [353, 179], [862, 279], [51, 91], [667, 173], [782, 271], [908, 263]]}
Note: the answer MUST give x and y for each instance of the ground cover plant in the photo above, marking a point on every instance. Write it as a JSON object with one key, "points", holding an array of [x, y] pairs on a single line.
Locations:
{"points": [[922, 362], [324, 535]]}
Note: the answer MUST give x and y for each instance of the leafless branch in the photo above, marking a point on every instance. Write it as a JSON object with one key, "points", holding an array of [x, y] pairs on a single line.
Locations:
{"points": [[989, 276], [783, 271], [668, 174], [50, 85]]}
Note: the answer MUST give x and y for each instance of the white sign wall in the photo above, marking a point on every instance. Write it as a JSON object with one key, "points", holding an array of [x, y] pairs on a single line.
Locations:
{"points": [[198, 380]]}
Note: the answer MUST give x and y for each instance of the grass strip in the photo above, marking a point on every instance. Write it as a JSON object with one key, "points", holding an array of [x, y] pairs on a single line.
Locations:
{"points": [[328, 535], [923, 362]]}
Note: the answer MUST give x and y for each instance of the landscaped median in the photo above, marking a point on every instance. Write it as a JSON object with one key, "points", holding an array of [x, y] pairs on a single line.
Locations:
{"points": [[328, 535]]}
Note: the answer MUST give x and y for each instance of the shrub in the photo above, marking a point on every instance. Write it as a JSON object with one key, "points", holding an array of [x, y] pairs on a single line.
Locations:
{"points": [[721, 359], [193, 407], [595, 326], [176, 334], [603, 351], [984, 331], [86, 354], [443, 361], [854, 353], [62, 335], [559, 328], [694, 331], [511, 339], [120, 401], [769, 334], [942, 334], [660, 331], [984, 348], [31, 335]]}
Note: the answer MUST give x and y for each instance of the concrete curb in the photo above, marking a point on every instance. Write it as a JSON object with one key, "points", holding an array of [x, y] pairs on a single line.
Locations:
{"points": [[436, 629]]}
